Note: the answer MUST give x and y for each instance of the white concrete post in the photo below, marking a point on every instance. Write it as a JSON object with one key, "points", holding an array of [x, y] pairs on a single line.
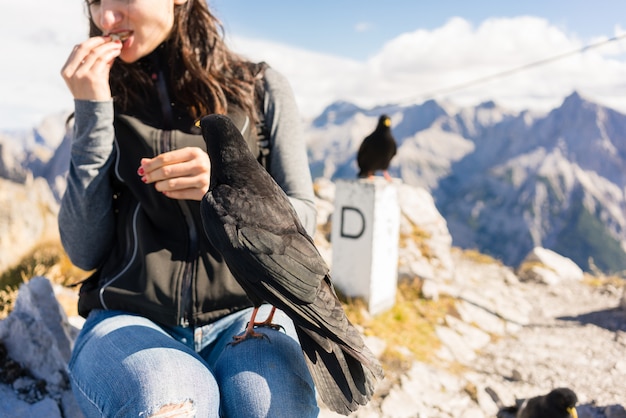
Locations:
{"points": [[364, 238]]}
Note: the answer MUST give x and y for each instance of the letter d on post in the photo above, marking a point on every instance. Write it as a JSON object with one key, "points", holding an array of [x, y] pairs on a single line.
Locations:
{"points": [[352, 222], [364, 237]]}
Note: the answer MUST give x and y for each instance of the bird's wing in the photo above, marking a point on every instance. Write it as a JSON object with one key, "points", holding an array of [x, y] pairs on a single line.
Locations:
{"points": [[292, 267], [279, 263], [264, 244], [365, 146]]}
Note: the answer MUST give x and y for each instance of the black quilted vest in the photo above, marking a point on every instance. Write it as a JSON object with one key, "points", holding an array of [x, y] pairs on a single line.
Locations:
{"points": [[162, 265]]}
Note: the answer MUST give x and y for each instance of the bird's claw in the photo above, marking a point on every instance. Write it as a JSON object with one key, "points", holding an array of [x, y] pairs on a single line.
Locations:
{"points": [[267, 324], [246, 336]]}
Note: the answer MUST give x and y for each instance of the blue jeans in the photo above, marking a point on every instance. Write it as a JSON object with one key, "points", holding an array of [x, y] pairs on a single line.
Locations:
{"points": [[125, 365]]}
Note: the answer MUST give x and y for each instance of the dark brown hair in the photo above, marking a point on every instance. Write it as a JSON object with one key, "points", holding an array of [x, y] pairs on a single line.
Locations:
{"points": [[205, 76]]}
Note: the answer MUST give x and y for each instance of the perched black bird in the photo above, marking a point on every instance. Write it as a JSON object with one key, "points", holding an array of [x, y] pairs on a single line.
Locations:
{"points": [[251, 222], [559, 403], [377, 150]]}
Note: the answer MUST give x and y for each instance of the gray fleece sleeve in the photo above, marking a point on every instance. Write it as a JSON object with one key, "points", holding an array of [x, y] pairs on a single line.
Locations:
{"points": [[288, 157], [86, 220]]}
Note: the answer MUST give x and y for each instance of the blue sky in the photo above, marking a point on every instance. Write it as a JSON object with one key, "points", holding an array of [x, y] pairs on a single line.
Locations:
{"points": [[358, 28], [368, 53]]}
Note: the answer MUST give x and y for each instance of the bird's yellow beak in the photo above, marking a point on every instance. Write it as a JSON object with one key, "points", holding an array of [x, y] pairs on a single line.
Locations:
{"points": [[387, 123], [197, 123], [572, 412]]}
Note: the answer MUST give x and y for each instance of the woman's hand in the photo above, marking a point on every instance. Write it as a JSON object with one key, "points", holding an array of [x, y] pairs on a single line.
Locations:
{"points": [[180, 174], [86, 71]]}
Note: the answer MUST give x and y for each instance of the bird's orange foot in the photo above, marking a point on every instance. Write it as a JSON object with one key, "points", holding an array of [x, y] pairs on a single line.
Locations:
{"points": [[251, 333], [387, 176], [246, 336], [268, 322]]}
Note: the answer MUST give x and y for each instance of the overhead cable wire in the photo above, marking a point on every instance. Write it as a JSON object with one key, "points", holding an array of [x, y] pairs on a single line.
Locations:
{"points": [[505, 73]]}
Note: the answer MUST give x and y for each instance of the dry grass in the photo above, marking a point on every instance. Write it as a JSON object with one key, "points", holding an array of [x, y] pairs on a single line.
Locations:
{"points": [[7, 299], [420, 237], [408, 328], [604, 281], [480, 258], [46, 259]]}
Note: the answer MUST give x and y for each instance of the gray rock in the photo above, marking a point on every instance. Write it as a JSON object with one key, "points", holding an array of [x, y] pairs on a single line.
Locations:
{"points": [[38, 336], [430, 290], [70, 406], [12, 406], [47, 408], [473, 337], [456, 345], [33, 333], [484, 319], [548, 267], [431, 257], [53, 316]]}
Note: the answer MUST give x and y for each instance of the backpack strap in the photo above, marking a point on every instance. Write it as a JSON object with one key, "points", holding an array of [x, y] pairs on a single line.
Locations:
{"points": [[263, 133]]}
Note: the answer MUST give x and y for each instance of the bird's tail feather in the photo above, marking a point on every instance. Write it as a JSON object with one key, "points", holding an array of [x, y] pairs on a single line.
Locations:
{"points": [[342, 381], [503, 411], [494, 396]]}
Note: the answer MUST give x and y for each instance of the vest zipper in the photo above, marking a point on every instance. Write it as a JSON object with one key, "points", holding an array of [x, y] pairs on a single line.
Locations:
{"points": [[186, 287], [186, 299], [190, 266]]}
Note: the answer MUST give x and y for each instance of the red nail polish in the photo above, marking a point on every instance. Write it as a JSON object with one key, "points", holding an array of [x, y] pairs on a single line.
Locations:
{"points": [[141, 171], [144, 179]]}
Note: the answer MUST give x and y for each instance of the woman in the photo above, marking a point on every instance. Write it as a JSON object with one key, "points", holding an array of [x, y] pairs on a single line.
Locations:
{"points": [[161, 306]]}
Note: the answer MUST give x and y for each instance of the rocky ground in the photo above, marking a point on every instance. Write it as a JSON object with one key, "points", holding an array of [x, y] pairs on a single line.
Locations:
{"points": [[521, 333], [540, 337], [576, 338], [572, 334]]}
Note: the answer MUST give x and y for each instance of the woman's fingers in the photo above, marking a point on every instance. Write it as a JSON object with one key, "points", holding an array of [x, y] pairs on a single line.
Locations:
{"points": [[80, 53], [86, 71], [181, 174]]}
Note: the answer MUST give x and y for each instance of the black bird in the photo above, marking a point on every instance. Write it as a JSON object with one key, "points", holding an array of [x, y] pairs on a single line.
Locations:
{"points": [[559, 403], [377, 150], [250, 221]]}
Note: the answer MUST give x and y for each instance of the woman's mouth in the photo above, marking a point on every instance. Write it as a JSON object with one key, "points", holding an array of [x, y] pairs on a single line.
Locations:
{"points": [[121, 36]]}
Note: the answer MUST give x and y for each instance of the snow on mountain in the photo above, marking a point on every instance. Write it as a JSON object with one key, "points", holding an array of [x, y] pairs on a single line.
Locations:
{"points": [[40, 152]]}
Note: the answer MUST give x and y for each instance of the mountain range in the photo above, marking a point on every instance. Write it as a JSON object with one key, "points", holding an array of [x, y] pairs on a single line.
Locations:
{"points": [[505, 181]]}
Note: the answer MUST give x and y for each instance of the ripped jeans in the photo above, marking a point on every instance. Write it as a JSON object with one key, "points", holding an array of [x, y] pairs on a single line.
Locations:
{"points": [[125, 365]]}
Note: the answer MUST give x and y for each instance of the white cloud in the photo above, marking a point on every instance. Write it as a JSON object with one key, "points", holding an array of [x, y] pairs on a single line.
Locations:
{"points": [[458, 54], [413, 65], [404, 70], [317, 79]]}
